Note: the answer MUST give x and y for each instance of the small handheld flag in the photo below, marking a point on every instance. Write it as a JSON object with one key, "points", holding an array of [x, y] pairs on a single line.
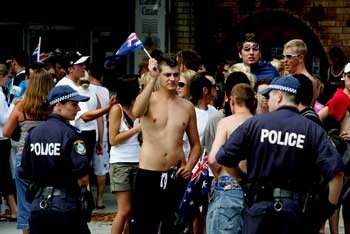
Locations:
{"points": [[131, 44], [37, 56]]}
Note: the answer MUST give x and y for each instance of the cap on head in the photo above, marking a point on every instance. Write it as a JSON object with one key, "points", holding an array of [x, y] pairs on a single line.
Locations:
{"points": [[287, 84], [347, 68], [71, 58], [64, 93]]}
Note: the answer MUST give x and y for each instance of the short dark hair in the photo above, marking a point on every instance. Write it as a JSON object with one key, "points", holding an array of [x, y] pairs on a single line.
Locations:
{"points": [[190, 58], [127, 89], [233, 79], [306, 89], [168, 59], [248, 37], [244, 94], [198, 82], [261, 82], [21, 58]]}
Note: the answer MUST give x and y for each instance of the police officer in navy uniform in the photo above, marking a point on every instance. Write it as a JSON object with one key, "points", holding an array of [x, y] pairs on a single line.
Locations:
{"points": [[54, 158], [283, 150]]}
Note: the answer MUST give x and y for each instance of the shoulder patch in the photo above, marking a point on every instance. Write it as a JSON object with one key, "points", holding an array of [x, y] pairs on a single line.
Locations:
{"points": [[79, 147]]}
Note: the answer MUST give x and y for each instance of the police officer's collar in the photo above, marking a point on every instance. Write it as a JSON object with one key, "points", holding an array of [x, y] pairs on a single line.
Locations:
{"points": [[57, 116], [291, 108]]}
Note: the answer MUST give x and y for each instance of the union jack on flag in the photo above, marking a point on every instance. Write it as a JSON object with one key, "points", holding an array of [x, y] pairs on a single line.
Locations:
{"points": [[197, 190], [131, 44], [37, 56]]}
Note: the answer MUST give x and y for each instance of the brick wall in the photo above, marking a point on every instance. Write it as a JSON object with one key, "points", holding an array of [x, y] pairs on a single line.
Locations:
{"points": [[328, 19]]}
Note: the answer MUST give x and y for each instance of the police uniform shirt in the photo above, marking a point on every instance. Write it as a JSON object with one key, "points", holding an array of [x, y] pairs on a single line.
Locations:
{"points": [[54, 154], [281, 146]]}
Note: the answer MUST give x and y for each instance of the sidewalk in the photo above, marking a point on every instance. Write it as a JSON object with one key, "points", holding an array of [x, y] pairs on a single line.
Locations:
{"points": [[96, 227]]}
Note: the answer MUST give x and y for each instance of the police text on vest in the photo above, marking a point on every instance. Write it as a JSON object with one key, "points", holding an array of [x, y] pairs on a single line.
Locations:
{"points": [[282, 138], [51, 149]]}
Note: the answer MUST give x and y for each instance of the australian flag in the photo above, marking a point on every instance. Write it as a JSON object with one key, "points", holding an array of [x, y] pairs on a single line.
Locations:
{"points": [[131, 44], [196, 193], [37, 56]]}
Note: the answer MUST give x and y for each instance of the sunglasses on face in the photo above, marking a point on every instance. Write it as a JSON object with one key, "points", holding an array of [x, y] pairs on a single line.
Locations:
{"points": [[251, 46], [289, 56], [181, 84]]}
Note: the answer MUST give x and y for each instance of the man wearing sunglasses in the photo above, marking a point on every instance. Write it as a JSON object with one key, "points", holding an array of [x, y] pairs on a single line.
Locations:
{"points": [[294, 54], [250, 53]]}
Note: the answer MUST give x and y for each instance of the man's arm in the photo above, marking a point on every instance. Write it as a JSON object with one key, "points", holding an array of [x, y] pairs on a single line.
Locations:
{"points": [[142, 101], [192, 133], [335, 187], [100, 128], [323, 113], [220, 139], [91, 115]]}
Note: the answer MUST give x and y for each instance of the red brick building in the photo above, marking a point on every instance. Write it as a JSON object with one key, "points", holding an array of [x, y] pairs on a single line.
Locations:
{"points": [[213, 27]]}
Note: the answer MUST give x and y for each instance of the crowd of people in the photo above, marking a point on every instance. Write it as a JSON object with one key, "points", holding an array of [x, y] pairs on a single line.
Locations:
{"points": [[276, 138]]}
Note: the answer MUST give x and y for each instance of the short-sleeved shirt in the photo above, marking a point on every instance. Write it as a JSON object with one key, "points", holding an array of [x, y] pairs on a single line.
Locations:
{"points": [[338, 104], [282, 147], [54, 154]]}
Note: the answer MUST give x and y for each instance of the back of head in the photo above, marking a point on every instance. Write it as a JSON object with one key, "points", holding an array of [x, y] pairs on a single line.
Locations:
{"points": [[40, 84], [21, 58], [243, 94], [306, 89], [336, 52], [233, 79], [298, 44], [190, 58], [127, 89]]}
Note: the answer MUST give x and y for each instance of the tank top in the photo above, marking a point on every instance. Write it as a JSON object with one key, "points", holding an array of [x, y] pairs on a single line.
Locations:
{"points": [[25, 126], [129, 150]]}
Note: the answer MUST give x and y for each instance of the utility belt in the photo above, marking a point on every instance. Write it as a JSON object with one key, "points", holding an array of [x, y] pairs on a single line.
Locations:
{"points": [[226, 183], [46, 194], [266, 192]]}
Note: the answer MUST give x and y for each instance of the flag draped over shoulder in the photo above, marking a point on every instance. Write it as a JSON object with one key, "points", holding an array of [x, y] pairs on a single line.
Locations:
{"points": [[131, 44], [37, 56], [197, 190]]}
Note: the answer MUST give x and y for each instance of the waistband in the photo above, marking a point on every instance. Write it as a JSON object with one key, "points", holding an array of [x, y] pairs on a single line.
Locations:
{"points": [[227, 183]]}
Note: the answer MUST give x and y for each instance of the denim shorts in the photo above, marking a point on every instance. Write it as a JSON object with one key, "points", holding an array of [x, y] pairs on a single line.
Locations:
{"points": [[225, 212], [22, 205]]}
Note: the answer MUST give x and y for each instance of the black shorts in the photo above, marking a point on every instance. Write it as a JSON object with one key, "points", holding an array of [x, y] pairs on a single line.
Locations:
{"points": [[156, 199]]}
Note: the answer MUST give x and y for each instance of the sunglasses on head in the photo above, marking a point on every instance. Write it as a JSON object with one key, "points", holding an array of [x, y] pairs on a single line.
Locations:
{"points": [[181, 84], [289, 56]]}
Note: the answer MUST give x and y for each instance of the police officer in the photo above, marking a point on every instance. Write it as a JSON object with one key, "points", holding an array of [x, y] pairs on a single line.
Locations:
{"points": [[283, 151], [54, 158]]}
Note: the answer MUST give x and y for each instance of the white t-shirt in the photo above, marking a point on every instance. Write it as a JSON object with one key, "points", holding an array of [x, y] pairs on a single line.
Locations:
{"points": [[85, 107], [66, 81], [103, 96], [203, 117]]}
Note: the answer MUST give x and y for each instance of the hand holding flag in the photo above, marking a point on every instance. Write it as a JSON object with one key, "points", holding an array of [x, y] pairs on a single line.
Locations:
{"points": [[131, 44]]}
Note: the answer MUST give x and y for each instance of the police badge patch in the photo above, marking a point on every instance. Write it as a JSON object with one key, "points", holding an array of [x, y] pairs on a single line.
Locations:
{"points": [[79, 147]]}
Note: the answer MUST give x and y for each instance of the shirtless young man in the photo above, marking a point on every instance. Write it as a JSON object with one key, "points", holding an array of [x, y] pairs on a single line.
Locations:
{"points": [[228, 194], [164, 119]]}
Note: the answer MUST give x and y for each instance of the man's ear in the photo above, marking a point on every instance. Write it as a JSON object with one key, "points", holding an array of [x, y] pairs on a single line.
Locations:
{"points": [[205, 91], [279, 96], [239, 54]]}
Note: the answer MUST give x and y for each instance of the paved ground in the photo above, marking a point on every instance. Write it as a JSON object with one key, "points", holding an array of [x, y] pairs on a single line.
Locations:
{"points": [[104, 217], [103, 226]]}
